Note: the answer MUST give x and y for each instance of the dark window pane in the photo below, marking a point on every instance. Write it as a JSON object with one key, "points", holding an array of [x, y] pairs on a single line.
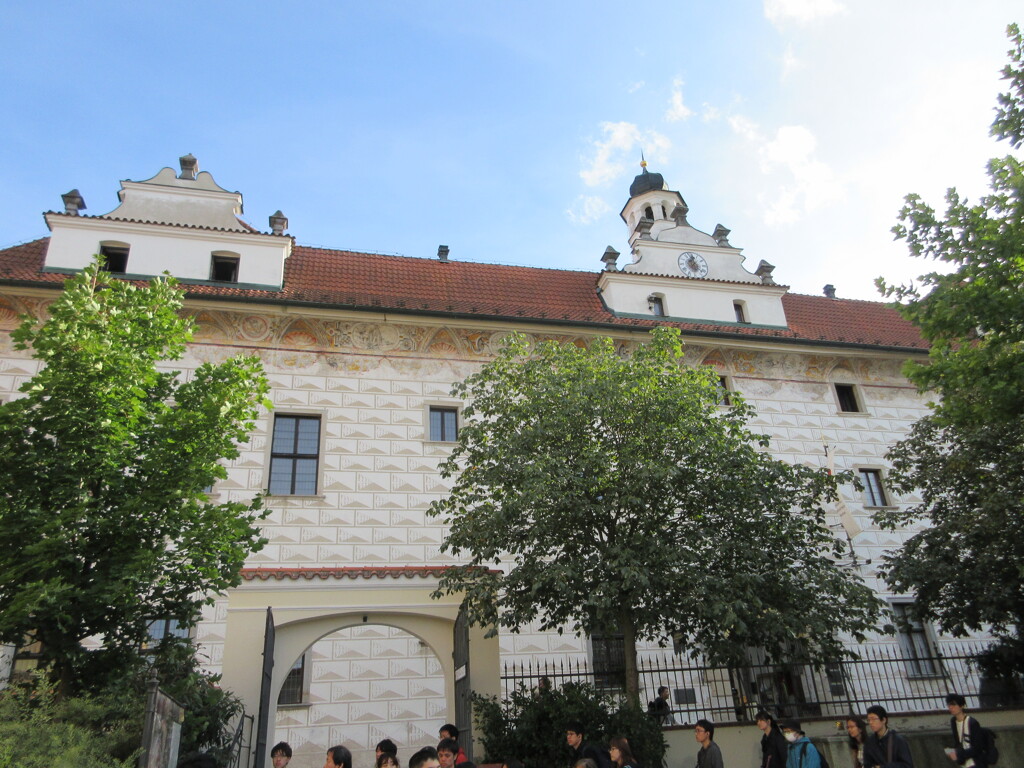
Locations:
{"points": [[847, 398], [295, 454], [115, 259]]}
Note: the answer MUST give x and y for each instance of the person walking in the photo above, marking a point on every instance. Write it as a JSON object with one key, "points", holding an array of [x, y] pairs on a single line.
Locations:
{"points": [[884, 748], [968, 735], [857, 731], [802, 754], [773, 744], [709, 755]]}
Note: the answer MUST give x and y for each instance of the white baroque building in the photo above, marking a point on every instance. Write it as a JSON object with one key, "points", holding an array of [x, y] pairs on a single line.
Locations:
{"points": [[362, 350]]}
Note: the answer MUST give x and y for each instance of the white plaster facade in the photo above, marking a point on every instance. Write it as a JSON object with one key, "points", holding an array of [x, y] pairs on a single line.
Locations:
{"points": [[381, 649]]}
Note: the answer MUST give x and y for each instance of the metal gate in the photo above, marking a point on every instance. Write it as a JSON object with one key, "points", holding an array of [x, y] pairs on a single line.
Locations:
{"points": [[463, 690], [263, 719]]}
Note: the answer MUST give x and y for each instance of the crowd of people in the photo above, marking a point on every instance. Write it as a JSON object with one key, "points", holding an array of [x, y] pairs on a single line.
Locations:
{"points": [[872, 744]]}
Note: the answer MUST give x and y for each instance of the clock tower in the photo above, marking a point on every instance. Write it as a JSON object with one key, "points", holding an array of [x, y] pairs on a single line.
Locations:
{"points": [[680, 272]]}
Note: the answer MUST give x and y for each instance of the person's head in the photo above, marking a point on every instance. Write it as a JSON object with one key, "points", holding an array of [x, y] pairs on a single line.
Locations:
{"points": [[446, 752], [704, 732], [574, 734], [386, 747], [338, 757], [955, 703], [584, 762], [764, 721], [512, 763], [663, 692], [620, 751], [877, 719], [387, 760], [281, 754], [791, 730], [856, 729], [425, 758], [448, 731]]}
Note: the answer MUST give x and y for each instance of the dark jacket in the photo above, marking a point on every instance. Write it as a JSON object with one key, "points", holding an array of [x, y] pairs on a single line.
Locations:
{"points": [[876, 751], [974, 738], [598, 755], [773, 749]]}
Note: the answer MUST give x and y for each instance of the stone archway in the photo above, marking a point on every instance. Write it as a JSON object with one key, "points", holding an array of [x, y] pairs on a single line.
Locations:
{"points": [[309, 604]]}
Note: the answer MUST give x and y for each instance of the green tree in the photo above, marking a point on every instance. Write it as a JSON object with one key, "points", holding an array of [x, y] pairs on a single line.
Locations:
{"points": [[104, 525], [966, 458], [618, 492]]}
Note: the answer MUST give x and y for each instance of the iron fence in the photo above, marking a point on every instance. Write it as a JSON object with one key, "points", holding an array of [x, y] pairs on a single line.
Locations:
{"points": [[240, 745], [881, 675]]}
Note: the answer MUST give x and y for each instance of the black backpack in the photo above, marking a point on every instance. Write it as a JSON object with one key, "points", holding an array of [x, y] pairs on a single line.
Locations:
{"points": [[803, 752], [988, 745]]}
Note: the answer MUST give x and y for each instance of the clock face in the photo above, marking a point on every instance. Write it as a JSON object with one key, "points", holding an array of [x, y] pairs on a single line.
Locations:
{"points": [[692, 264]]}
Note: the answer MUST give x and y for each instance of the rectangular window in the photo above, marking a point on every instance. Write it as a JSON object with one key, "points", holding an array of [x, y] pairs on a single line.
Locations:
{"points": [[847, 398], [293, 689], [115, 259], [162, 628], [874, 491], [608, 653], [916, 646], [741, 313], [444, 424], [723, 397], [294, 455], [657, 305], [224, 268]]}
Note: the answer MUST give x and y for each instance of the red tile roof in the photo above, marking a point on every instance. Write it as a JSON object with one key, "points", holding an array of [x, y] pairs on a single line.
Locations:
{"points": [[348, 572], [365, 281]]}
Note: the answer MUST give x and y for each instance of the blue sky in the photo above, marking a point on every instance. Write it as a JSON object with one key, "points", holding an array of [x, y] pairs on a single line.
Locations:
{"points": [[511, 131]]}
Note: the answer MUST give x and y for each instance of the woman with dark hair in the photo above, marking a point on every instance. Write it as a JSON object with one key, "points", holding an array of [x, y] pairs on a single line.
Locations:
{"points": [[621, 754], [774, 748], [387, 760], [857, 730]]}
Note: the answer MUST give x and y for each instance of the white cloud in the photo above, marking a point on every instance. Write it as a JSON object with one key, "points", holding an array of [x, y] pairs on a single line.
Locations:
{"points": [[709, 113], [636, 86], [778, 12], [790, 63], [621, 140], [587, 209], [796, 182], [676, 109]]}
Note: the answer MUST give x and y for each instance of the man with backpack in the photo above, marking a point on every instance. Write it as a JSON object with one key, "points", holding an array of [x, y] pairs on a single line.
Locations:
{"points": [[974, 746], [802, 754], [884, 748]]}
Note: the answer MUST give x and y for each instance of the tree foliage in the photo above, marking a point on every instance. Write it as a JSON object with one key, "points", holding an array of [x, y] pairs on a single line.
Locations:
{"points": [[104, 524], [530, 726], [598, 491], [966, 458]]}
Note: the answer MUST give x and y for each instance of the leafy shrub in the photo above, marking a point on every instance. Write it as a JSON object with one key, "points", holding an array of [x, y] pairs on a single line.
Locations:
{"points": [[530, 725], [39, 731]]}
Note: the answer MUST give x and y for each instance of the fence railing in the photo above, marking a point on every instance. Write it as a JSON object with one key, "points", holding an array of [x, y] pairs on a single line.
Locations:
{"points": [[240, 745], [882, 675]]}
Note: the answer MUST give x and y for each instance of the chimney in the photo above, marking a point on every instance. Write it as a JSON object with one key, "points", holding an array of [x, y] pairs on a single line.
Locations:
{"points": [[442, 253], [764, 271], [278, 223], [830, 291], [609, 258], [679, 215], [189, 167], [73, 202], [721, 236]]}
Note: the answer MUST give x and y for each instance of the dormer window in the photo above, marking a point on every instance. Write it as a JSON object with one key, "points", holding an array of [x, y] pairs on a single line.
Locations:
{"points": [[656, 303], [740, 309], [224, 267], [115, 257]]}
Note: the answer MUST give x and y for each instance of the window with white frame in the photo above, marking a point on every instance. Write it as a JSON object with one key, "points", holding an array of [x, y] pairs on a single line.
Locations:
{"points": [[444, 424], [294, 455], [918, 652], [874, 490]]}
